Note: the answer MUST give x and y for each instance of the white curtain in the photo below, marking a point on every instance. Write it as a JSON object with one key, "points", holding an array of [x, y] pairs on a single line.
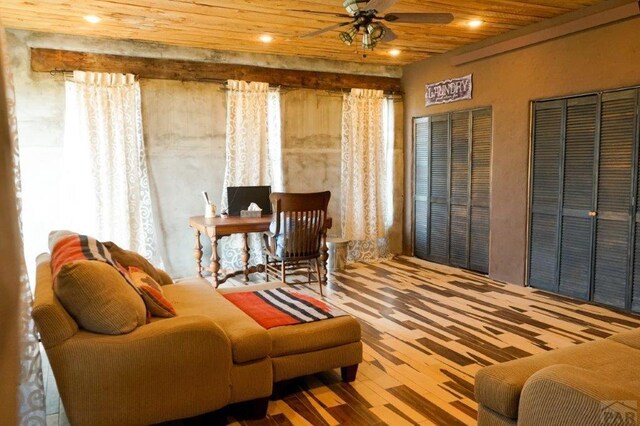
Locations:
{"points": [[366, 172], [254, 154], [21, 384], [105, 191]]}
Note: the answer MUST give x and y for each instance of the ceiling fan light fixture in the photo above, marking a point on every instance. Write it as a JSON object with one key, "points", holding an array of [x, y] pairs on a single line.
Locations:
{"points": [[351, 6], [346, 38], [376, 31], [349, 36], [367, 42], [475, 23], [366, 15]]}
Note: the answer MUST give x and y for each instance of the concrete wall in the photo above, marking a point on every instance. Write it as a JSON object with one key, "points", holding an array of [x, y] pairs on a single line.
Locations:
{"points": [[184, 129], [602, 58], [311, 138], [184, 133], [40, 113]]}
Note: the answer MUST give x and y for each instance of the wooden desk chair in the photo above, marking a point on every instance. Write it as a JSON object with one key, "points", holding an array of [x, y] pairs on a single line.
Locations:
{"points": [[295, 236]]}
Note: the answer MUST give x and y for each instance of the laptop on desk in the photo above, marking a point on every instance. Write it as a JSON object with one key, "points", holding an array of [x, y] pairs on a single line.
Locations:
{"points": [[240, 197]]}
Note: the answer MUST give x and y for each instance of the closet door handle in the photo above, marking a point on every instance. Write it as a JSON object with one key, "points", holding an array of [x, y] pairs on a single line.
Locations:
{"points": [[593, 214]]}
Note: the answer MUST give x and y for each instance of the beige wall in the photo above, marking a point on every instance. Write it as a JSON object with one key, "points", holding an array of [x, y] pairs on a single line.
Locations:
{"points": [[602, 58], [184, 130]]}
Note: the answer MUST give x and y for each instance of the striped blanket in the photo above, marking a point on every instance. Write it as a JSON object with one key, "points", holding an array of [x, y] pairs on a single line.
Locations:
{"points": [[69, 248], [282, 306]]}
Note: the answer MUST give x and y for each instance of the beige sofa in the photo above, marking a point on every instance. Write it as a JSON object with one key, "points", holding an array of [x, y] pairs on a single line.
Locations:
{"points": [[589, 384], [211, 355]]}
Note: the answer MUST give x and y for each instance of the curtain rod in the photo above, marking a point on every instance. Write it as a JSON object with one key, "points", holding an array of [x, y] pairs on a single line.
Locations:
{"points": [[286, 89], [66, 74]]}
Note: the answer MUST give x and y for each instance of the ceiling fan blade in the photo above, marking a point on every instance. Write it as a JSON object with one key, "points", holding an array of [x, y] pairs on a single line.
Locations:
{"points": [[388, 34], [315, 12], [324, 30], [379, 5], [419, 18]]}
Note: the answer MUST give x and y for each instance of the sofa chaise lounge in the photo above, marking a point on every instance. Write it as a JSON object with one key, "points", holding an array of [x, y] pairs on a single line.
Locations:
{"points": [[210, 355]]}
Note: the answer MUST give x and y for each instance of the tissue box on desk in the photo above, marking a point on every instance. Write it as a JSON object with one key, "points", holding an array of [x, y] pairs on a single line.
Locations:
{"points": [[250, 213]]}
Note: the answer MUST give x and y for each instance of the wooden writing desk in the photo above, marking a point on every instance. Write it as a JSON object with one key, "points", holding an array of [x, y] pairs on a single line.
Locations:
{"points": [[216, 228]]}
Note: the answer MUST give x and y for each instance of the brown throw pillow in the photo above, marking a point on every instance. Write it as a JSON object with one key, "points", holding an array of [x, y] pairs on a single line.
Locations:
{"points": [[128, 258], [99, 297], [151, 291]]}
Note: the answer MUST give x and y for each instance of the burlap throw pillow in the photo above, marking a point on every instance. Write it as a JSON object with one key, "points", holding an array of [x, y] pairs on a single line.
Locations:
{"points": [[98, 297]]}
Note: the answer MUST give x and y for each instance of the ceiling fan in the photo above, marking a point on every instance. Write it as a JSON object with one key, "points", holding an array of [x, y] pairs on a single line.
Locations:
{"points": [[365, 17]]}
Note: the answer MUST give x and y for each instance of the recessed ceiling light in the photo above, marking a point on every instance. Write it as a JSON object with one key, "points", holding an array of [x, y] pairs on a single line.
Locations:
{"points": [[266, 38], [92, 19], [395, 52], [474, 23]]}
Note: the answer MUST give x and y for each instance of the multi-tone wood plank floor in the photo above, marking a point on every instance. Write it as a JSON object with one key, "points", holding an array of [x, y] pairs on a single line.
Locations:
{"points": [[426, 329]]}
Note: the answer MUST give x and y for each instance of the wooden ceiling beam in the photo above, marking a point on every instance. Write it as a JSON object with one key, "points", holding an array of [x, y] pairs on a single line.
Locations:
{"points": [[48, 60]]}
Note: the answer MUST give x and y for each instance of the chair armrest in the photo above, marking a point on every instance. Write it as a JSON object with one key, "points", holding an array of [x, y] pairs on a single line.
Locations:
{"points": [[182, 364], [270, 240], [568, 395]]}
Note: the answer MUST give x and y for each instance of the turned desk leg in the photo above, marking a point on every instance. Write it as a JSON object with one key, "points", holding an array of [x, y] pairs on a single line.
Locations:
{"points": [[197, 253], [245, 257], [215, 261], [323, 259]]}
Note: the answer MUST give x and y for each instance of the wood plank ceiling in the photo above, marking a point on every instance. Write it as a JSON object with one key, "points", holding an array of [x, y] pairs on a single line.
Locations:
{"points": [[236, 25]]}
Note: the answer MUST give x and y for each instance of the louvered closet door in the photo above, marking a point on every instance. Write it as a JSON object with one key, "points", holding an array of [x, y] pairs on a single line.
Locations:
{"points": [[548, 134], [635, 293], [578, 196], [421, 133], [481, 131], [585, 162], [452, 167], [438, 217], [616, 178], [460, 150]]}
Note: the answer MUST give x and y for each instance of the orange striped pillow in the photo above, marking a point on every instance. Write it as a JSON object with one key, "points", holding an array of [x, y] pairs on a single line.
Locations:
{"points": [[151, 291]]}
